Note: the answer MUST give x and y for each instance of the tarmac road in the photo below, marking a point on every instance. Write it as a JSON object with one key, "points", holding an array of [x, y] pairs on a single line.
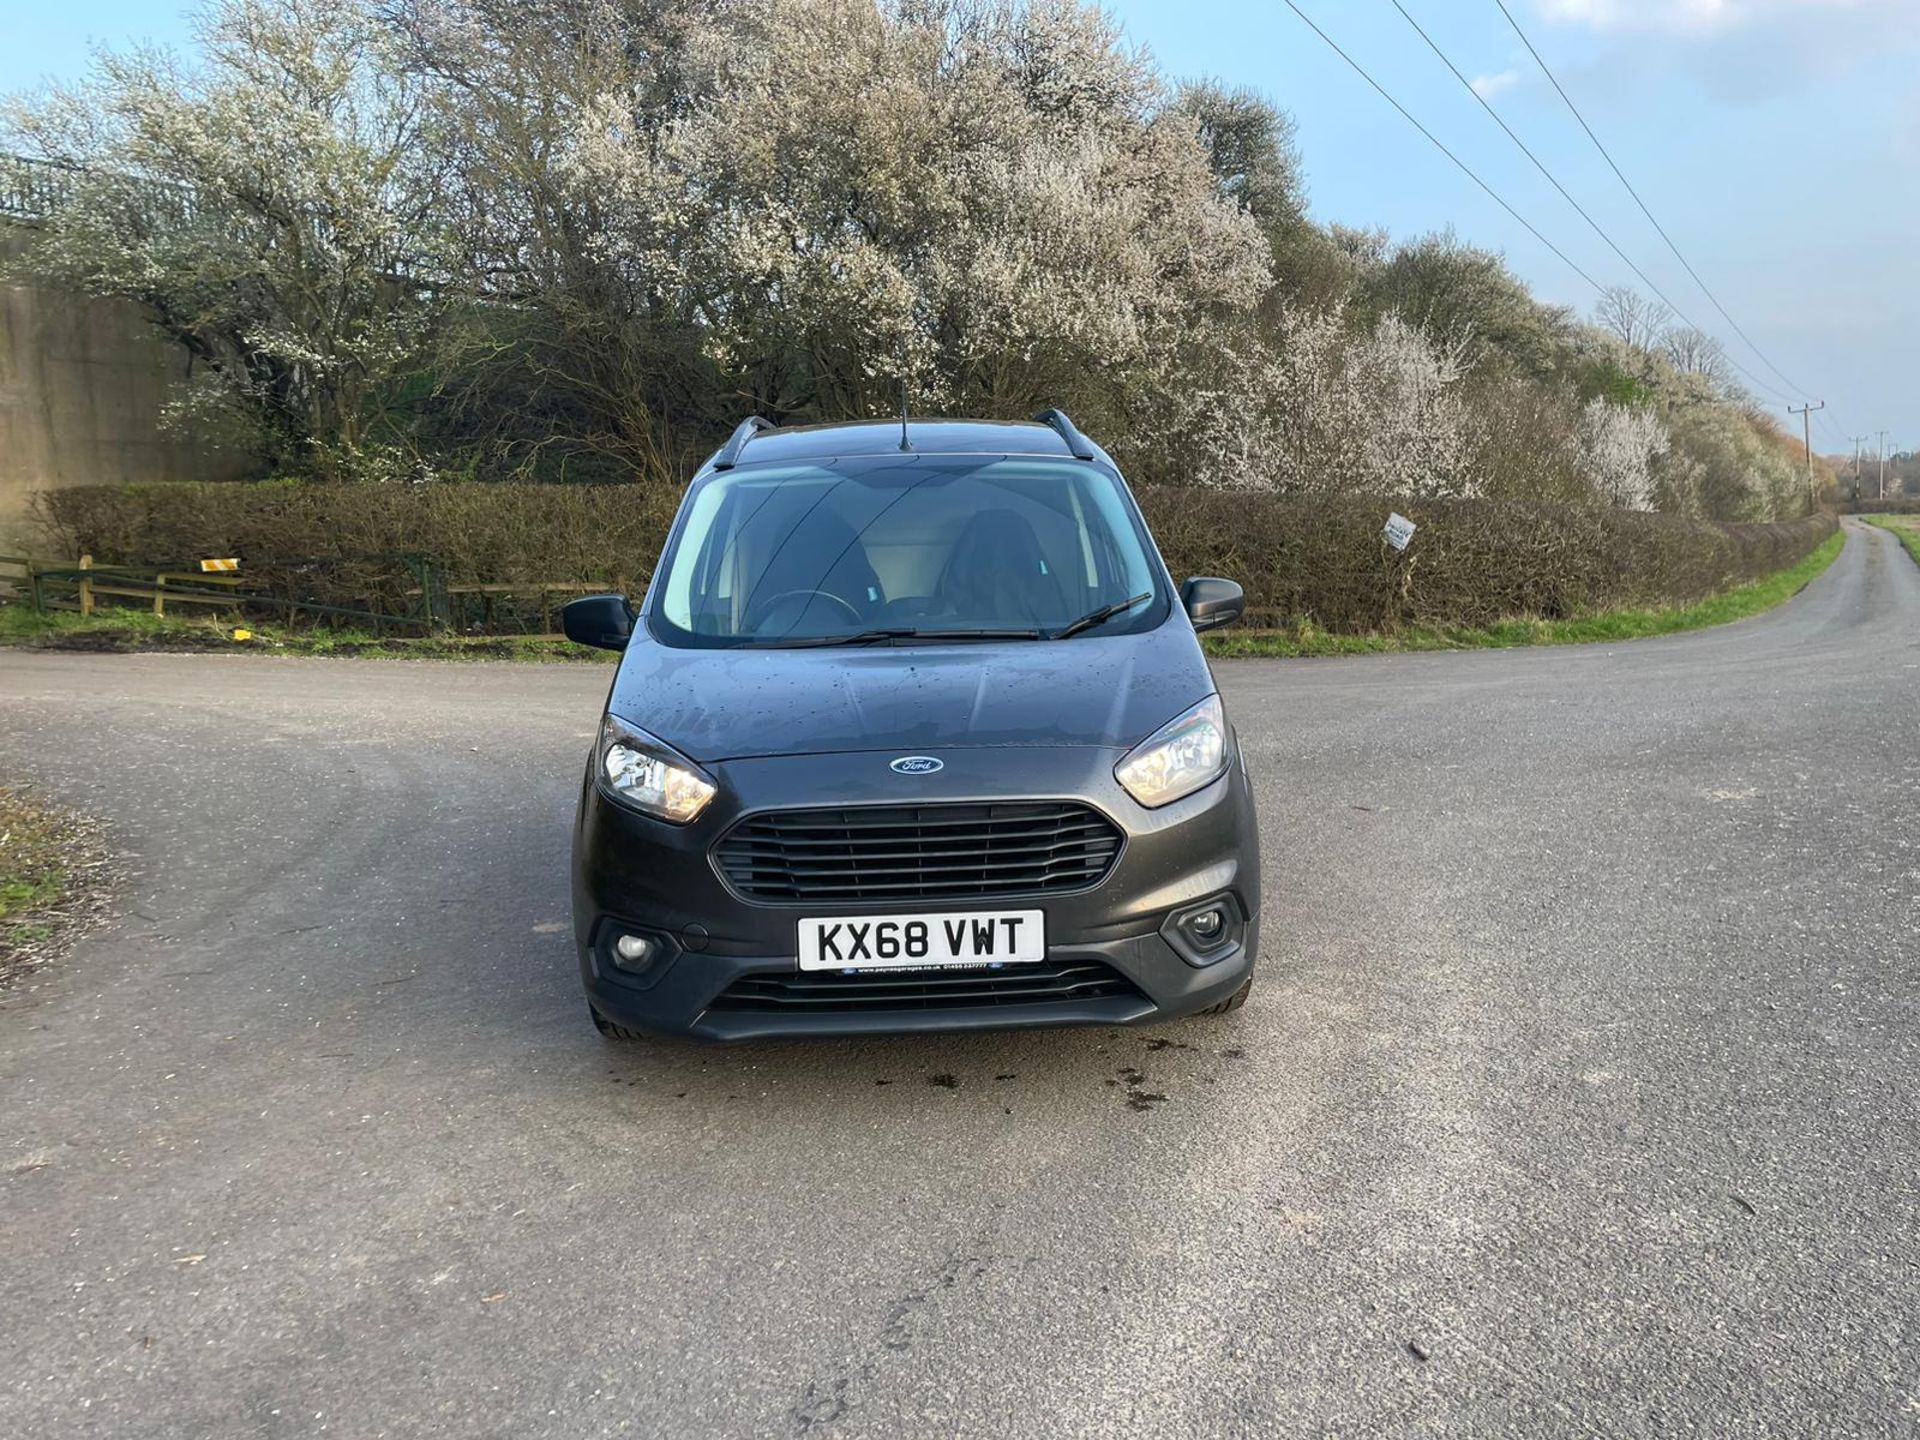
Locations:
{"points": [[1578, 1095]]}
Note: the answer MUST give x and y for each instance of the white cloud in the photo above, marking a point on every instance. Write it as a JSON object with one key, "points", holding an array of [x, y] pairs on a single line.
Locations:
{"points": [[1488, 86], [1740, 52], [1643, 14], [1695, 17]]}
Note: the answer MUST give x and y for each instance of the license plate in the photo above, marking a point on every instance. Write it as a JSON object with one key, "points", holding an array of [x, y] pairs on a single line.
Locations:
{"points": [[909, 942]]}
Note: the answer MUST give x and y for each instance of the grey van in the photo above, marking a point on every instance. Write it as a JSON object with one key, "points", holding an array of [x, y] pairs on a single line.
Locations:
{"points": [[911, 732]]}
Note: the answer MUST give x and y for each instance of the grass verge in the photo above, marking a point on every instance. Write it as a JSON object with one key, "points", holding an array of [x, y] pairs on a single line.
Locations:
{"points": [[1610, 625], [54, 872], [125, 630], [1907, 527]]}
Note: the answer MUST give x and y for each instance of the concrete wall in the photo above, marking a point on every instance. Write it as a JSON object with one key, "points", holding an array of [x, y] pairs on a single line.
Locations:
{"points": [[82, 383]]}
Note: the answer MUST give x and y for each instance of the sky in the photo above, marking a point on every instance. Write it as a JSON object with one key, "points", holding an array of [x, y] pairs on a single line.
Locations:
{"points": [[1778, 142]]}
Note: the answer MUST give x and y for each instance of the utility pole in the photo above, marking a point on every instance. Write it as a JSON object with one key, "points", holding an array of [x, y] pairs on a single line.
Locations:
{"points": [[1805, 412], [1858, 441], [1883, 464]]}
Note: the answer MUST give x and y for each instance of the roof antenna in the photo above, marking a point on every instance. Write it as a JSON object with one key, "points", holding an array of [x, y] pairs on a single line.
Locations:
{"points": [[905, 444]]}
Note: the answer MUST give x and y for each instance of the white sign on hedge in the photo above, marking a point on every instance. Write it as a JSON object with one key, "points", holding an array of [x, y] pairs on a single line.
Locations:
{"points": [[1398, 532]]}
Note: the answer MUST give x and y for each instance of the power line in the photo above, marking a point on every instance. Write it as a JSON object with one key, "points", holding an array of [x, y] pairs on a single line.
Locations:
{"points": [[1785, 379], [1532, 230], [1831, 430], [1834, 429], [1360, 70], [1579, 209]]}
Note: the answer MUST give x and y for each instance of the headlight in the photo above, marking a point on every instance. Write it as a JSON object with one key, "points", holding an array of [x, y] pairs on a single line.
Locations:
{"points": [[1182, 756], [652, 777]]}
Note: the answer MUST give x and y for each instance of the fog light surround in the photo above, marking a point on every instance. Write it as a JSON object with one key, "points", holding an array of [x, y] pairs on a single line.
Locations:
{"points": [[633, 953], [1207, 931]]}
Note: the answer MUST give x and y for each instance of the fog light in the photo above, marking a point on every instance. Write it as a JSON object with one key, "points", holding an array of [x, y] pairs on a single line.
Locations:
{"points": [[1207, 931], [1208, 926], [636, 958]]}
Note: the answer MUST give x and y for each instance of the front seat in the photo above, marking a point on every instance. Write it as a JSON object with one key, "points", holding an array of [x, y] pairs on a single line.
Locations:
{"points": [[997, 574]]}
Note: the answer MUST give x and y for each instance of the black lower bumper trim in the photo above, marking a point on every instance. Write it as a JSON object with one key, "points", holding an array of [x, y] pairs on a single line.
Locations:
{"points": [[832, 991]]}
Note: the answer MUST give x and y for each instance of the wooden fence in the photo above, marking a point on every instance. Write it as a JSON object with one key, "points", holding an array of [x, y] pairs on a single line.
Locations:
{"points": [[81, 586]]}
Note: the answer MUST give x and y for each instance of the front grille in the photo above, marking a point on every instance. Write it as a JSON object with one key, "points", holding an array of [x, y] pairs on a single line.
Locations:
{"points": [[919, 852], [815, 991]]}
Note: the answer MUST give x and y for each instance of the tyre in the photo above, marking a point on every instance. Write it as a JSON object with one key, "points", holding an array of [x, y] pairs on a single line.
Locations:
{"points": [[609, 1030], [1232, 1002]]}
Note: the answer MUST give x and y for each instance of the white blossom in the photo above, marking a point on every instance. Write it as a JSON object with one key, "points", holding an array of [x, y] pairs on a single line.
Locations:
{"points": [[1618, 446], [1376, 410]]}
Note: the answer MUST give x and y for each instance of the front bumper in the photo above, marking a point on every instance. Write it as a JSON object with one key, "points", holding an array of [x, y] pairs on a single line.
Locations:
{"points": [[631, 873]]}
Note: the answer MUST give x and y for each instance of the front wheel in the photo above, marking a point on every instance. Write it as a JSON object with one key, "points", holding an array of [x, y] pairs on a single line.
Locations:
{"points": [[1232, 1002]]}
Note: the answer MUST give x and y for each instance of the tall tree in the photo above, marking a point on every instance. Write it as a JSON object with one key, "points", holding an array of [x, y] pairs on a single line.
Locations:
{"points": [[274, 208], [1631, 318]]}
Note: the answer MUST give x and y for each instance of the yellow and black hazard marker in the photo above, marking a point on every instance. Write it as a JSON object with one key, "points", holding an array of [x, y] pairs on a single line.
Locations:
{"points": [[218, 567]]}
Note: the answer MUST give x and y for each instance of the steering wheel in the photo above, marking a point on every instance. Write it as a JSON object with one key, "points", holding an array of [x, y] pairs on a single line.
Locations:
{"points": [[772, 606]]}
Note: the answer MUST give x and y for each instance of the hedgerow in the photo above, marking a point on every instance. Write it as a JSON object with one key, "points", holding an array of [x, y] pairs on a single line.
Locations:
{"points": [[1312, 558]]}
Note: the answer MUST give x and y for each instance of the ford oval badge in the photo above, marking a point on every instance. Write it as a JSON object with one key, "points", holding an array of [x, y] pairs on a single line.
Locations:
{"points": [[917, 765]]}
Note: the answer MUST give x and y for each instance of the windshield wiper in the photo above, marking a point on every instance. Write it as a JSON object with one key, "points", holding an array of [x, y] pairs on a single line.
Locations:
{"points": [[875, 637], [1100, 616]]}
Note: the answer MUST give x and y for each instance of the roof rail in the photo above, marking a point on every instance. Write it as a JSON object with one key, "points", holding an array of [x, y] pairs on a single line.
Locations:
{"points": [[729, 455], [1078, 445]]}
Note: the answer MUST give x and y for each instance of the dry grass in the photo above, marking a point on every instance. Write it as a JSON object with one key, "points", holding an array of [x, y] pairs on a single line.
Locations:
{"points": [[55, 871]]}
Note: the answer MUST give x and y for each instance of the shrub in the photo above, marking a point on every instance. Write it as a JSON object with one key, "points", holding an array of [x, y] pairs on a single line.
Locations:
{"points": [[1620, 444], [1315, 557], [1470, 563], [1372, 409], [352, 545], [1528, 444]]}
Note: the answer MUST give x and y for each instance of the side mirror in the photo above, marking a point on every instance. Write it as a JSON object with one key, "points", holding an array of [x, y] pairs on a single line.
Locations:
{"points": [[603, 621], [1212, 602]]}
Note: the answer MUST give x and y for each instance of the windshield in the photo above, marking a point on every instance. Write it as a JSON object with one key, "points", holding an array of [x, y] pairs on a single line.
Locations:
{"points": [[874, 549]]}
